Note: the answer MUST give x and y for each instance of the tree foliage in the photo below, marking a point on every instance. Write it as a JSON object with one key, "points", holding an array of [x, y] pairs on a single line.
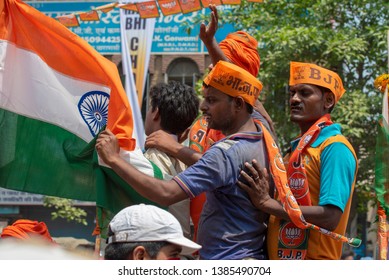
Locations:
{"points": [[65, 209], [348, 37]]}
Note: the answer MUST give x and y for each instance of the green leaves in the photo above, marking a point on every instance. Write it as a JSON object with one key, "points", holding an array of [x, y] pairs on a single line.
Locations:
{"points": [[64, 209]]}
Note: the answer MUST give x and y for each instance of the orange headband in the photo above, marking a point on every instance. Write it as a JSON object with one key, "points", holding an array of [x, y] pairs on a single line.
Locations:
{"points": [[234, 81], [307, 73]]}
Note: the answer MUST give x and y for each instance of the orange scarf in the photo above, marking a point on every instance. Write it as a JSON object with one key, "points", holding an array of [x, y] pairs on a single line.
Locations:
{"points": [[297, 177], [289, 202]]}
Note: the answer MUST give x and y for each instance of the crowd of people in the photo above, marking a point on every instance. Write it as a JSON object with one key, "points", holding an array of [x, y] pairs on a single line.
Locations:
{"points": [[229, 182]]}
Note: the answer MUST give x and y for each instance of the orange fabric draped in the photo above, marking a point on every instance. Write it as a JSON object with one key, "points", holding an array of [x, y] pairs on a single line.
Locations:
{"points": [[25, 229], [241, 49]]}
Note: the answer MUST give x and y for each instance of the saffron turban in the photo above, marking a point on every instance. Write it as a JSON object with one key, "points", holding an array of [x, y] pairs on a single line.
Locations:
{"points": [[241, 49], [25, 229], [234, 81], [308, 73]]}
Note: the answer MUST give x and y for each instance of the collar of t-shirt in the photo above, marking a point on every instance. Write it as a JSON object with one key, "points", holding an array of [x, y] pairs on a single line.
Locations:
{"points": [[328, 131]]}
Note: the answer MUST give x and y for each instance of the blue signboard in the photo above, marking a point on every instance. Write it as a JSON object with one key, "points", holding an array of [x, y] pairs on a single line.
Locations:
{"points": [[103, 35], [170, 36]]}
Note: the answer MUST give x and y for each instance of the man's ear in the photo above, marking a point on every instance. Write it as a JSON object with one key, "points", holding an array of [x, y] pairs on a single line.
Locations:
{"points": [[239, 102], [155, 114], [139, 253], [329, 100]]}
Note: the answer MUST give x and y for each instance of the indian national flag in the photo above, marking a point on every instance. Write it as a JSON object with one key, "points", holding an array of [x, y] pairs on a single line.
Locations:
{"points": [[56, 94]]}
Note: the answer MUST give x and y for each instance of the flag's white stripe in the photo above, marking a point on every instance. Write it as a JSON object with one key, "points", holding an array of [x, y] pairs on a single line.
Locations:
{"points": [[29, 87], [136, 159]]}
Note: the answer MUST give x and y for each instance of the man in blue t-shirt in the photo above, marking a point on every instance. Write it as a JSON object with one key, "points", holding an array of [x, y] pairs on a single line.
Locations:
{"points": [[230, 226]]}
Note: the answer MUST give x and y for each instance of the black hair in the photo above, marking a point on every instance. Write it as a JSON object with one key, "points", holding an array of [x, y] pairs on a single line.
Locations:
{"points": [[178, 105], [123, 250], [324, 90]]}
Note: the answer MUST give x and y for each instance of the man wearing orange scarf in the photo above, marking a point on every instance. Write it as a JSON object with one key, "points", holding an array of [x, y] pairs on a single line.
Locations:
{"points": [[230, 226], [26, 229], [321, 171]]}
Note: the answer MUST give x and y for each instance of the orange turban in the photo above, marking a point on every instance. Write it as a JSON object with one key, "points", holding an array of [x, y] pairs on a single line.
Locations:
{"points": [[234, 81], [308, 73], [241, 49], [25, 229]]}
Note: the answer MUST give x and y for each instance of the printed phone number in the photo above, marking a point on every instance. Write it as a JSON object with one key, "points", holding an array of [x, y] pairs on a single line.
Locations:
{"points": [[241, 270], [103, 39]]}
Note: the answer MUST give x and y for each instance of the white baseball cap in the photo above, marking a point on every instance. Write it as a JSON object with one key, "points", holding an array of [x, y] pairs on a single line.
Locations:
{"points": [[139, 223]]}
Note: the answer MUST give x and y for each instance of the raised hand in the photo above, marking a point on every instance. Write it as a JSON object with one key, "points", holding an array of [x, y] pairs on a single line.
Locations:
{"points": [[162, 141], [207, 32]]}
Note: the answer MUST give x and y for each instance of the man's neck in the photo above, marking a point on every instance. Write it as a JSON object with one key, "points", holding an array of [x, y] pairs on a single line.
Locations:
{"points": [[246, 125]]}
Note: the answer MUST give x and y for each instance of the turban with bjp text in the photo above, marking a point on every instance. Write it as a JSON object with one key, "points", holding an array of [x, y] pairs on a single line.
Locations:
{"points": [[234, 81], [241, 49], [25, 229], [308, 73]]}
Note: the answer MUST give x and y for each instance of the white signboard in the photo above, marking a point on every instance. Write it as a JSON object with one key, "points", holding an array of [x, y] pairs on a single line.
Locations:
{"points": [[14, 198]]}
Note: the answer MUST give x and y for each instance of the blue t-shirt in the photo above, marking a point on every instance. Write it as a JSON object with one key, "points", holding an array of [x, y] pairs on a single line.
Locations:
{"points": [[230, 226], [337, 168]]}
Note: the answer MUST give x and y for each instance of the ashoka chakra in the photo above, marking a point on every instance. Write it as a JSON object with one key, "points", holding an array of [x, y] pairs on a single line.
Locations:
{"points": [[93, 107]]}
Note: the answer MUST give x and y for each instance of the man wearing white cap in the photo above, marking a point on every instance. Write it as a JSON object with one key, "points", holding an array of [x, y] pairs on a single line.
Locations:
{"points": [[146, 232]]}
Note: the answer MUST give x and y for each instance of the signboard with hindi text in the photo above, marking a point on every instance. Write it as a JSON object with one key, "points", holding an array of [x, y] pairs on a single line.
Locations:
{"points": [[11, 197], [103, 35], [170, 35]]}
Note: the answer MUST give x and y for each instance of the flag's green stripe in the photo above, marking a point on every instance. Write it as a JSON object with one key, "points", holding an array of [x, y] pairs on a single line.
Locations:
{"points": [[114, 194], [43, 158], [157, 172]]}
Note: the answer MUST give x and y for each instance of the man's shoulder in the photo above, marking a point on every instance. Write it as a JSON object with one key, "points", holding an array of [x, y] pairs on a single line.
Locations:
{"points": [[340, 139], [153, 152], [165, 162], [225, 144], [237, 141], [327, 134]]}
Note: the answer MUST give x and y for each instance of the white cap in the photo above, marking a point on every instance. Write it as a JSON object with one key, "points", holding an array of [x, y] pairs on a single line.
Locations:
{"points": [[139, 223]]}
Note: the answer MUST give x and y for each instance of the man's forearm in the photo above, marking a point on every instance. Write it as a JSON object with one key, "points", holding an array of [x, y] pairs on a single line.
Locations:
{"points": [[151, 188], [323, 216], [273, 207], [185, 154], [215, 52]]}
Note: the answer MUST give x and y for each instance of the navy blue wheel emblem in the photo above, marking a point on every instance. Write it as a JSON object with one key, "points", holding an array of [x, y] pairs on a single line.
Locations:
{"points": [[93, 107]]}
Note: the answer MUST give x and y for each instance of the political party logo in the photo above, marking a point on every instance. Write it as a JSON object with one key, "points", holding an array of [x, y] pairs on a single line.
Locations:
{"points": [[291, 236], [279, 163], [93, 107], [297, 181]]}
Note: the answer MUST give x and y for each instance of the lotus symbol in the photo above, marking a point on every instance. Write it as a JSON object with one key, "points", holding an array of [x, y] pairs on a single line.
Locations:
{"points": [[293, 233]]}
